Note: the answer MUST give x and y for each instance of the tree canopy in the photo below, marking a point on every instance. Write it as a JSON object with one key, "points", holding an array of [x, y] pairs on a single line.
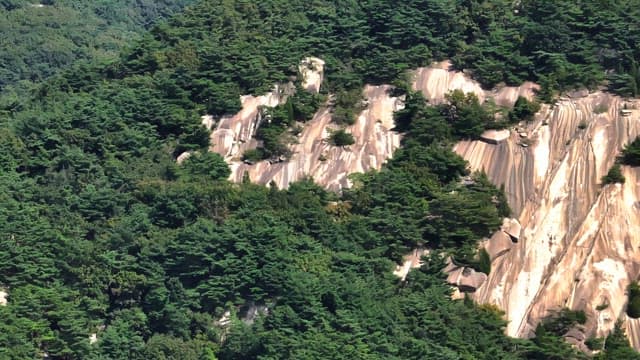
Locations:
{"points": [[104, 233]]}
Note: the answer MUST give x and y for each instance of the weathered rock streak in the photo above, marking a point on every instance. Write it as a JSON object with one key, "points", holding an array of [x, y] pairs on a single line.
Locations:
{"points": [[579, 244]]}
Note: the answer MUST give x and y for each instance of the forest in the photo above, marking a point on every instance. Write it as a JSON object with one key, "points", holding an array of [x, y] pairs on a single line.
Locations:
{"points": [[101, 232], [41, 38]]}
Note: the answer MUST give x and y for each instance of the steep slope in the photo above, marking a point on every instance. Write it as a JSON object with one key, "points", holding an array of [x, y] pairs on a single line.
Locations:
{"points": [[578, 246], [579, 242], [312, 154]]}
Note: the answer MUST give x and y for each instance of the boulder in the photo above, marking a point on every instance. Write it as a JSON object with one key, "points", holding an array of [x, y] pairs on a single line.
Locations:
{"points": [[495, 136], [499, 244], [512, 228], [466, 279], [575, 334], [182, 157]]}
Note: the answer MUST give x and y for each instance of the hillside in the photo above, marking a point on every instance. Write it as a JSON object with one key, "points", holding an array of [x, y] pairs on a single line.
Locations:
{"points": [[122, 237], [41, 38]]}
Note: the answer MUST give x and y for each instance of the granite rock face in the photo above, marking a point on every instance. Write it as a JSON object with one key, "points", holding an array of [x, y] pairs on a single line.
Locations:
{"points": [[571, 243], [579, 241]]}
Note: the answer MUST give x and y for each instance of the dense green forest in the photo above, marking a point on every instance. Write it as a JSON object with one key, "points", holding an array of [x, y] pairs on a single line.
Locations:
{"points": [[101, 232], [41, 37]]}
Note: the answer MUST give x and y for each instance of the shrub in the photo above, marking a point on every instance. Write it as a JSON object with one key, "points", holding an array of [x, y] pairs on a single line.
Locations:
{"points": [[594, 343], [484, 261], [341, 138], [614, 176], [253, 155], [523, 109], [209, 164], [347, 105], [562, 321], [633, 306], [631, 153]]}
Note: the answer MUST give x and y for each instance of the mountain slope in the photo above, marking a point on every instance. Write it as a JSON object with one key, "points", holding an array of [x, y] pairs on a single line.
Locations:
{"points": [[110, 249]]}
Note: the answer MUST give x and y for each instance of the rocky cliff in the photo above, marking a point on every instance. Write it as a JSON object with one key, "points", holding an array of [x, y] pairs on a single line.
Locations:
{"points": [[576, 242], [312, 155], [578, 247], [571, 243]]}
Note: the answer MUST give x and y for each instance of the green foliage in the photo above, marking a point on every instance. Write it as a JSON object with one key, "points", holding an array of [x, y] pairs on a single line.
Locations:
{"points": [[631, 153], [562, 321], [616, 346], [252, 156], [614, 176], [633, 304], [279, 130], [594, 344], [484, 261], [40, 41], [209, 165], [468, 118], [103, 233], [341, 138], [347, 105], [523, 110]]}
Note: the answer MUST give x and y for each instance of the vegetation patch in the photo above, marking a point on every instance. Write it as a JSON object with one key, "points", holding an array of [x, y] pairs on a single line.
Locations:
{"points": [[633, 304], [614, 176], [523, 110], [631, 153], [341, 138]]}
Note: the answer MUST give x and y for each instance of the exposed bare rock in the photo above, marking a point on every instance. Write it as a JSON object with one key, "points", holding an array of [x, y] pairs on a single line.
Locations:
{"points": [[93, 338], [329, 165], [495, 136], [498, 245], [466, 279], [410, 261], [437, 80], [312, 71], [235, 134], [575, 333], [632, 329], [253, 312], [450, 267], [3, 297], [579, 242], [182, 157], [208, 121], [512, 228]]}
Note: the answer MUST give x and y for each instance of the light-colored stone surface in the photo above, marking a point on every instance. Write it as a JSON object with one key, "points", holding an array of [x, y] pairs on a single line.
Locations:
{"points": [[466, 279], [312, 71], [495, 136], [579, 243], [410, 261], [499, 244], [329, 165], [437, 80]]}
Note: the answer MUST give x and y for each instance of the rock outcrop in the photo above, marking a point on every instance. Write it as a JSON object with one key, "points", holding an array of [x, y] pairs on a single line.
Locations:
{"points": [[410, 261], [437, 80], [572, 243], [3, 297], [313, 156], [579, 242]]}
